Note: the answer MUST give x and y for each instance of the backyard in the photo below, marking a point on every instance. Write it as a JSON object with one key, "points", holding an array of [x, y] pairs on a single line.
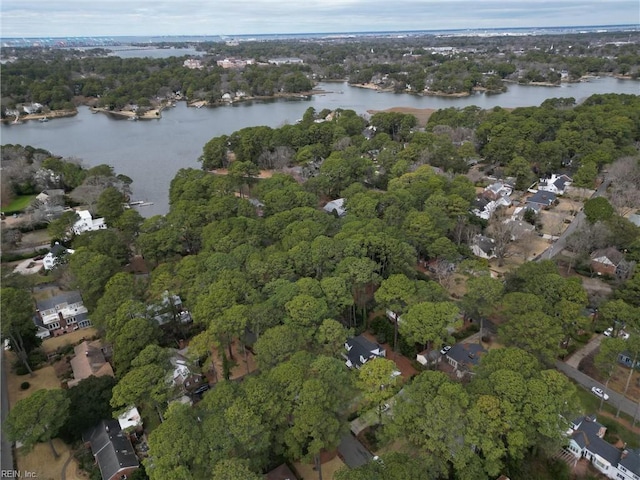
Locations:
{"points": [[18, 204]]}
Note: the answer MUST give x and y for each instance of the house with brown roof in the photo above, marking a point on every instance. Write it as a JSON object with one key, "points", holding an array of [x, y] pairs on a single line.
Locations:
{"points": [[282, 472], [610, 261], [89, 360]]}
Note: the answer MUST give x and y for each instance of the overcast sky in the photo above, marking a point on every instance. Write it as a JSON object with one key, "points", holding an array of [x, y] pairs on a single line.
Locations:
{"points": [[63, 18]]}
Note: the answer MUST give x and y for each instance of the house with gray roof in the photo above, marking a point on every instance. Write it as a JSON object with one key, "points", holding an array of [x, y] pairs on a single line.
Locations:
{"points": [[586, 440], [555, 184], [464, 356], [61, 314], [483, 247], [112, 450], [336, 207], [541, 200], [360, 350]]}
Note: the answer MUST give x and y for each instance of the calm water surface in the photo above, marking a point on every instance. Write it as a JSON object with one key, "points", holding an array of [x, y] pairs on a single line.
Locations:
{"points": [[151, 152]]}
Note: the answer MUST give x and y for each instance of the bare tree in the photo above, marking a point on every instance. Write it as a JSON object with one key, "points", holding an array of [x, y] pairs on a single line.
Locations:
{"points": [[501, 230], [624, 192]]}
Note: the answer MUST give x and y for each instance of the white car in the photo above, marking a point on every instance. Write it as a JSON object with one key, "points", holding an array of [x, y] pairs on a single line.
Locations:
{"points": [[445, 349], [598, 392], [624, 335], [608, 332]]}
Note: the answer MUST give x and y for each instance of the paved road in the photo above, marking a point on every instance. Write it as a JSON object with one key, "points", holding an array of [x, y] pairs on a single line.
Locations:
{"points": [[6, 452], [561, 242], [615, 399]]}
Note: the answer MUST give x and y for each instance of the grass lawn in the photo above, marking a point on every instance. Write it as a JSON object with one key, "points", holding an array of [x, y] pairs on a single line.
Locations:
{"points": [[18, 204], [591, 404]]}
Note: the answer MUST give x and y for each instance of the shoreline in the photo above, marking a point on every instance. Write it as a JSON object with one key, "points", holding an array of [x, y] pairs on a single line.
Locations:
{"points": [[152, 114], [40, 116]]}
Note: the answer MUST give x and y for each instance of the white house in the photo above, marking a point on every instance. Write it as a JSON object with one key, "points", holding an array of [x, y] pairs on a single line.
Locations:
{"points": [[556, 184], [87, 224], [131, 419], [52, 258], [61, 314], [586, 440], [336, 206]]}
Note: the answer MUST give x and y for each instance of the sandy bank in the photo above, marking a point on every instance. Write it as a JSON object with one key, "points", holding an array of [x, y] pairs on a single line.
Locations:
{"points": [[422, 114]]}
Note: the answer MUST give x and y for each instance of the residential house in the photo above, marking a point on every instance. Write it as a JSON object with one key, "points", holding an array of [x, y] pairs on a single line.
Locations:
{"points": [[484, 208], [497, 190], [53, 196], [169, 308], [427, 357], [183, 379], [282, 472], [586, 440], [55, 255], [369, 132], [627, 359], [86, 223], [541, 200], [519, 228], [336, 206], [464, 356], [89, 360], [193, 64], [112, 450], [360, 350], [635, 219], [130, 420], [610, 261], [555, 184], [285, 61], [32, 108], [61, 314], [483, 247]]}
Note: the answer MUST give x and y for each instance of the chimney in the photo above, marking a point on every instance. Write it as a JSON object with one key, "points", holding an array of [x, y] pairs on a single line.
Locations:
{"points": [[625, 452]]}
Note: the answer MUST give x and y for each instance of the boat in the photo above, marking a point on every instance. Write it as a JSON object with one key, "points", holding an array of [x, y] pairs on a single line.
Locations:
{"points": [[136, 202], [146, 204], [43, 120]]}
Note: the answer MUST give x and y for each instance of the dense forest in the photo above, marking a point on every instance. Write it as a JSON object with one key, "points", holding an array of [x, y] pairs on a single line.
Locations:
{"points": [[267, 274]]}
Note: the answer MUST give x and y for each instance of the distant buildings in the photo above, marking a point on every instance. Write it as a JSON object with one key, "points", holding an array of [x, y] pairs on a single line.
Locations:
{"points": [[193, 64], [235, 62]]}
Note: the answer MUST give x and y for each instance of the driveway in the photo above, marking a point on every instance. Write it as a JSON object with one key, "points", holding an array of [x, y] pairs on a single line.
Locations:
{"points": [[352, 452], [615, 399], [575, 359], [561, 242]]}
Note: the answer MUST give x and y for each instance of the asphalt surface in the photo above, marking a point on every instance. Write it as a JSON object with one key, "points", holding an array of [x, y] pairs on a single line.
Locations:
{"points": [[615, 399], [352, 452], [561, 242], [6, 451]]}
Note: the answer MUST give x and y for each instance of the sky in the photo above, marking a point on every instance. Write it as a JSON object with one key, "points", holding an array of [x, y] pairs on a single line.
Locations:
{"points": [[69, 18]]}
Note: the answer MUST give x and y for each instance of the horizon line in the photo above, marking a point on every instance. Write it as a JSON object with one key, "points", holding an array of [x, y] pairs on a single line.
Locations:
{"points": [[362, 32]]}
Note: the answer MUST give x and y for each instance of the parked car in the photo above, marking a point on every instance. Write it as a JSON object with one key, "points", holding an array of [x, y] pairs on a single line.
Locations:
{"points": [[624, 335], [445, 349], [598, 392], [608, 332]]}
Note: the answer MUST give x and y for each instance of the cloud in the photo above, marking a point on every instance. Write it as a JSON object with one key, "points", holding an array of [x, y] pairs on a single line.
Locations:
{"points": [[43, 18]]}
